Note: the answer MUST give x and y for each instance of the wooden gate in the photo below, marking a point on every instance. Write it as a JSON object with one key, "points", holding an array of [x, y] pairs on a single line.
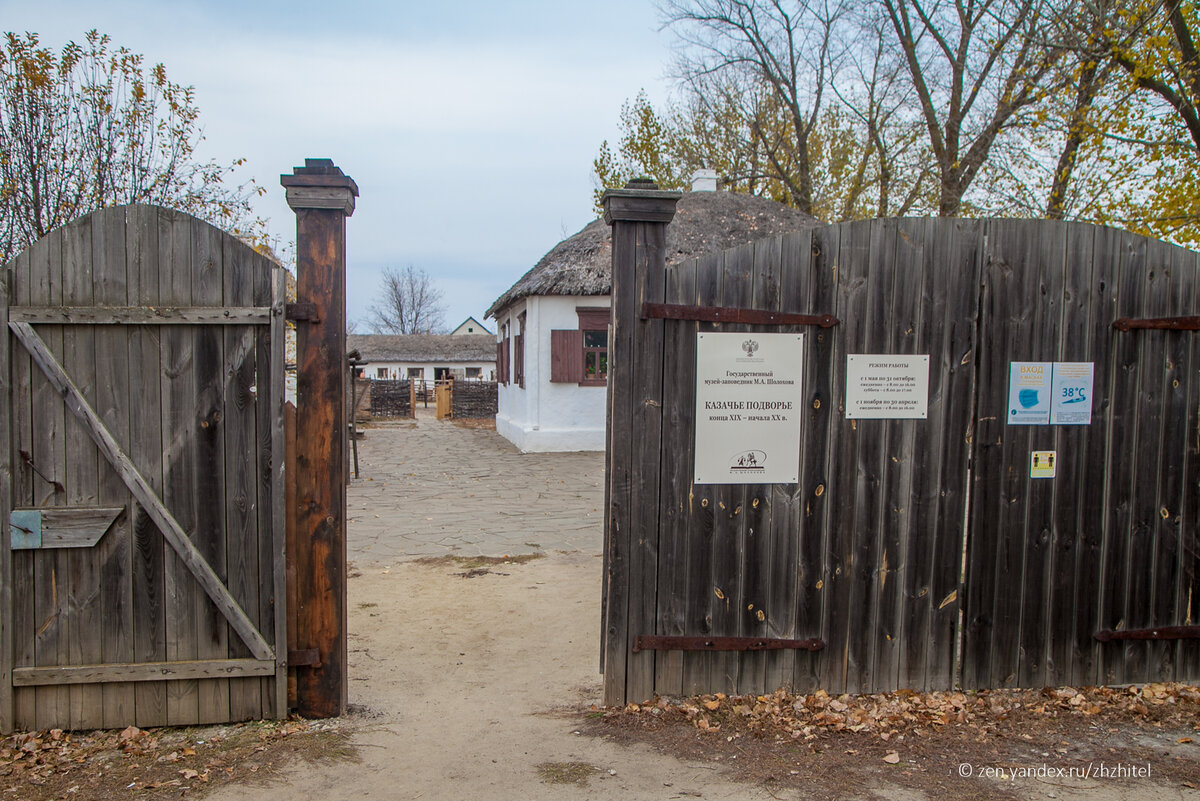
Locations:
{"points": [[143, 543], [918, 553]]}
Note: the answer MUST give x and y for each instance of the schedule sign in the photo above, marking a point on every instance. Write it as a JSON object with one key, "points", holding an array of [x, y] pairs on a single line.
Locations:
{"points": [[749, 395]]}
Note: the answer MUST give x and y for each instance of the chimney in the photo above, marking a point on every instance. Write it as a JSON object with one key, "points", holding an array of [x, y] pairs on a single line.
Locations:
{"points": [[704, 181]]}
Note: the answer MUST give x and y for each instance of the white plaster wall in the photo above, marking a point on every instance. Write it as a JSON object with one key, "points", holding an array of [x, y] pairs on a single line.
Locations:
{"points": [[547, 416], [398, 370]]}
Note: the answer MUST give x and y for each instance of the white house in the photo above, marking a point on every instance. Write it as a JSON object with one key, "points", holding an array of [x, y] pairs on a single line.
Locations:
{"points": [[552, 324], [426, 357], [470, 326]]}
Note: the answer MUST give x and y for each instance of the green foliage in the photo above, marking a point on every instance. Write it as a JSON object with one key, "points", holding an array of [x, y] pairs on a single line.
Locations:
{"points": [[89, 127]]}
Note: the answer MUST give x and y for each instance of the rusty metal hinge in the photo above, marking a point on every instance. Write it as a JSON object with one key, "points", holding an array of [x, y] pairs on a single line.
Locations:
{"points": [[720, 314], [1161, 633], [1158, 323], [648, 642]]}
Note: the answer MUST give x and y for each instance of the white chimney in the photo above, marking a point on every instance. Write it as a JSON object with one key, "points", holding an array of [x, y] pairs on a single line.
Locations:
{"points": [[704, 181]]}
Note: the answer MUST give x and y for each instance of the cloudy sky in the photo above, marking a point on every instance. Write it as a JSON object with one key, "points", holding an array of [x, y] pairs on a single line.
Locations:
{"points": [[470, 126]]}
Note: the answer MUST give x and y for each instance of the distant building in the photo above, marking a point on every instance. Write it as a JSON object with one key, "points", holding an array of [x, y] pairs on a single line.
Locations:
{"points": [[552, 325], [470, 326], [426, 357]]}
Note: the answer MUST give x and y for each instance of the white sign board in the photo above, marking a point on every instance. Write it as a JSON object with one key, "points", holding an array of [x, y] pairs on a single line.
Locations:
{"points": [[1071, 395], [885, 386], [749, 397]]}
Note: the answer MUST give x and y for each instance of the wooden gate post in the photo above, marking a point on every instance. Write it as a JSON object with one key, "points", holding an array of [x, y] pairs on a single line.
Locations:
{"points": [[639, 215], [322, 197]]}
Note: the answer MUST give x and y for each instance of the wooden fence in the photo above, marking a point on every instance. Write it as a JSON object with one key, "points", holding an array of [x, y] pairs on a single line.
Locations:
{"points": [[920, 553]]}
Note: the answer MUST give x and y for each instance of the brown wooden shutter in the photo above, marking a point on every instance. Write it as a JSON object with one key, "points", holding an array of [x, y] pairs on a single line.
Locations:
{"points": [[502, 361], [519, 360], [566, 356]]}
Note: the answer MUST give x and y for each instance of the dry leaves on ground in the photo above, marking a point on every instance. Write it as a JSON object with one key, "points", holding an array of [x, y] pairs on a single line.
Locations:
{"points": [[153, 763]]}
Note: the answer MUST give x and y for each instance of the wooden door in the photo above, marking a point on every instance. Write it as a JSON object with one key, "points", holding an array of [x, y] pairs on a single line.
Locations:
{"points": [[142, 507]]}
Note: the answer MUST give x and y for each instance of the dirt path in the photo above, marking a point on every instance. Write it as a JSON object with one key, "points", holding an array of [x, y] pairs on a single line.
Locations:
{"points": [[472, 680]]}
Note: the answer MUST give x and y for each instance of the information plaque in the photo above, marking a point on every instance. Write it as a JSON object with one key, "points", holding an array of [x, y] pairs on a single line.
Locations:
{"points": [[749, 396], [887, 387]]}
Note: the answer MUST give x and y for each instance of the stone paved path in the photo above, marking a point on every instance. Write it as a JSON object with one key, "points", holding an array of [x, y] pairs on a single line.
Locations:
{"points": [[429, 488]]}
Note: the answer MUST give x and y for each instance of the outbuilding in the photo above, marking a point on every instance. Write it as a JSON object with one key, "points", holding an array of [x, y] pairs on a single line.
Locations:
{"points": [[426, 357], [552, 324]]}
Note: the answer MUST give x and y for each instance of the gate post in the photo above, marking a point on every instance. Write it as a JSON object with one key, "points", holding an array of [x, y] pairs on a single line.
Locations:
{"points": [[639, 215], [322, 197]]}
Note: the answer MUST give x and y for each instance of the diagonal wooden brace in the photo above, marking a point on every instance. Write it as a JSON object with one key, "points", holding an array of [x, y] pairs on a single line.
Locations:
{"points": [[141, 489]]}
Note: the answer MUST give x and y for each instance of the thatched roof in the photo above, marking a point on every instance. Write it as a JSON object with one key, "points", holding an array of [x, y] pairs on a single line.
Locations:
{"points": [[704, 222], [423, 347]]}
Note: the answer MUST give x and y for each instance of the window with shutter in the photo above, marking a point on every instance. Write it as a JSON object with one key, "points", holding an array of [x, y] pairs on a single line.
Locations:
{"points": [[566, 356]]}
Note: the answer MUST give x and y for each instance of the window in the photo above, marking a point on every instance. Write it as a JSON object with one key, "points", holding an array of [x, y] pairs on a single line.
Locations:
{"points": [[381, 372], [519, 353], [580, 356], [474, 372], [595, 356], [416, 373], [502, 355]]}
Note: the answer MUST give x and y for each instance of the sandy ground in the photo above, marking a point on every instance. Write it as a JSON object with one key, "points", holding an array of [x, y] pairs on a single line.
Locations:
{"points": [[476, 684]]}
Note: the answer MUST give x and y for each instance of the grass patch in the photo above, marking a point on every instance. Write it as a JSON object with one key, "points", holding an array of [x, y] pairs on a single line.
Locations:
{"points": [[566, 772], [473, 562]]}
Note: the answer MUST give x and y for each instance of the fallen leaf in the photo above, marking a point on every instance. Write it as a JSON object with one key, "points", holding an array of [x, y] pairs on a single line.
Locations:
{"points": [[892, 758]]}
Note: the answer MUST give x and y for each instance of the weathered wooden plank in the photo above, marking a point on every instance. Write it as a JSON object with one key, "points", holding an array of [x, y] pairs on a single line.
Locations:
{"points": [[758, 505], [1188, 654], [1073, 444], [82, 471], [728, 573], [1092, 528], [7, 609], [1038, 263], [144, 260], [121, 673], [140, 315], [700, 673], [210, 534], [138, 486], [240, 465], [179, 422], [783, 568], [811, 510], [994, 558], [1136, 479], [23, 563], [1123, 391], [1171, 369], [292, 601], [906, 452], [848, 523], [678, 412], [947, 595], [48, 463], [275, 474], [644, 351]]}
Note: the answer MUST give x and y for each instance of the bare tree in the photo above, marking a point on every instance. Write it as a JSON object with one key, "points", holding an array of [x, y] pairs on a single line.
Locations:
{"points": [[975, 67], [408, 303], [788, 47]]}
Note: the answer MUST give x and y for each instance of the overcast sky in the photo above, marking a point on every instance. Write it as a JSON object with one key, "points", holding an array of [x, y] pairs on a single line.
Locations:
{"points": [[470, 127]]}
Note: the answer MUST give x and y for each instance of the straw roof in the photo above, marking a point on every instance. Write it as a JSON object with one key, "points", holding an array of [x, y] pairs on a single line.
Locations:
{"points": [[430, 348], [704, 222]]}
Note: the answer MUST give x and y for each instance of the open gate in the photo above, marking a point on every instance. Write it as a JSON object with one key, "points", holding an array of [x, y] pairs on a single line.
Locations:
{"points": [[143, 547]]}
